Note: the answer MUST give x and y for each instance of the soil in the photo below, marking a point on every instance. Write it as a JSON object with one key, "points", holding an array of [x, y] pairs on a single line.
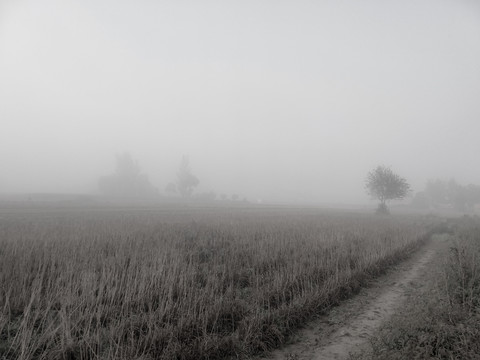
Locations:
{"points": [[347, 328]]}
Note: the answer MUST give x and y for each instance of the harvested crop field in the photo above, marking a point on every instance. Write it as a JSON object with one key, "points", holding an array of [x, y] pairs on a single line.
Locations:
{"points": [[182, 283]]}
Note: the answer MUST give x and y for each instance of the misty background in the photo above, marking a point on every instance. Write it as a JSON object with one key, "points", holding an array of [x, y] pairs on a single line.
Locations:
{"points": [[280, 100]]}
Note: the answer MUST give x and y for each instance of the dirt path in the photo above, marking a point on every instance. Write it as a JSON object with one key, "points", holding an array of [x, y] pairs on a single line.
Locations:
{"points": [[347, 328]]}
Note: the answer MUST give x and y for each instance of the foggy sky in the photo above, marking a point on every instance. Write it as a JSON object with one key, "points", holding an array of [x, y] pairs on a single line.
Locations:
{"points": [[280, 100]]}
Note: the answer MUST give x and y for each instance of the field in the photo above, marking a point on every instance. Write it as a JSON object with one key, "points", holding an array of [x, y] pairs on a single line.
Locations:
{"points": [[182, 283]]}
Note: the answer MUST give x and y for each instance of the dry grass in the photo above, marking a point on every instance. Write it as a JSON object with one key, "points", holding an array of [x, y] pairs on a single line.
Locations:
{"points": [[181, 284]]}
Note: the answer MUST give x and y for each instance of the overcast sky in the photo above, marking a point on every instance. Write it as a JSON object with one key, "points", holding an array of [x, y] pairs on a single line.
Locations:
{"points": [[286, 100]]}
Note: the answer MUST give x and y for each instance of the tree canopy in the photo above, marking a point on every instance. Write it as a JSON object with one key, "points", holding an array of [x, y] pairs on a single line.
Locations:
{"points": [[383, 184]]}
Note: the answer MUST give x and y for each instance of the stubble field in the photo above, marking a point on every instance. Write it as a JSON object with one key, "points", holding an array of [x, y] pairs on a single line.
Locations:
{"points": [[181, 283]]}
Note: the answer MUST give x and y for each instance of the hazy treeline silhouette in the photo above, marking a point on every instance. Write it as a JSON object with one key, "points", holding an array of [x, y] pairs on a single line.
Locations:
{"points": [[438, 193], [128, 181]]}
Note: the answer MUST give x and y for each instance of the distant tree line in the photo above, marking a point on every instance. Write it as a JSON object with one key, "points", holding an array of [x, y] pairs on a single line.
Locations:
{"points": [[440, 193], [128, 181]]}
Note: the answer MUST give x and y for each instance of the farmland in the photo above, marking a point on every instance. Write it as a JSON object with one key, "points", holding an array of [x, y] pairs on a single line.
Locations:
{"points": [[182, 283]]}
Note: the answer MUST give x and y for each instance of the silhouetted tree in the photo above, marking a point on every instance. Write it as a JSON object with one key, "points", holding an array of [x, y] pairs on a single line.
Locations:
{"points": [[383, 184], [127, 180], [186, 181]]}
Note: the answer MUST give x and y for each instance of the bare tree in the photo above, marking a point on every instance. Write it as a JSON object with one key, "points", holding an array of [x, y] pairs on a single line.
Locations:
{"points": [[383, 184]]}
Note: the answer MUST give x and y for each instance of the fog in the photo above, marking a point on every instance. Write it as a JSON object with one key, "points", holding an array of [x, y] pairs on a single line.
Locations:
{"points": [[289, 101]]}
